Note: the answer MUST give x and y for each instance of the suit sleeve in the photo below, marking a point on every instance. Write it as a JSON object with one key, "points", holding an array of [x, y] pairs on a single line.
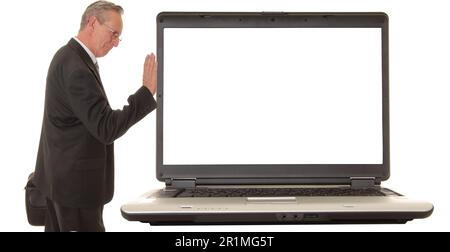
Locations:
{"points": [[90, 105]]}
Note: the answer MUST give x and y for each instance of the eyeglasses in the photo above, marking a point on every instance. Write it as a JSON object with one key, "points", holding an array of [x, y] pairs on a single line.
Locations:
{"points": [[114, 33]]}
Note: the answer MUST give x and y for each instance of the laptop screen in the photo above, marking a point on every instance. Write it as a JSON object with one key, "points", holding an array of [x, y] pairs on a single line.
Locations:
{"points": [[272, 96]]}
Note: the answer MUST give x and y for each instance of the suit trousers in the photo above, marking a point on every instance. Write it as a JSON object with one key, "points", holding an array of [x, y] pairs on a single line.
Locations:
{"points": [[66, 219]]}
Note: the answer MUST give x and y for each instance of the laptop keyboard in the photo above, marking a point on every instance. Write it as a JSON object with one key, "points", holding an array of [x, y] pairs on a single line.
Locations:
{"points": [[278, 192]]}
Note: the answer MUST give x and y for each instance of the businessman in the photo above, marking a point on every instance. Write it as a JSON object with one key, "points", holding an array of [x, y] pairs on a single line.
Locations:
{"points": [[75, 161]]}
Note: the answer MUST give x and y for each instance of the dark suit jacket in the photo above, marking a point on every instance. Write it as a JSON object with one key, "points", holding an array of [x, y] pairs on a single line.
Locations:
{"points": [[75, 161]]}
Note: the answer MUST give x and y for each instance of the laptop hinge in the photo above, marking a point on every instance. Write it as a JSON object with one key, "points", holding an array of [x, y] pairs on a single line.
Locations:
{"points": [[182, 183], [362, 182]]}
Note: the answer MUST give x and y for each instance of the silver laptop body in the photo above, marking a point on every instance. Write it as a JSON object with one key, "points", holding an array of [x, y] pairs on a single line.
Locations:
{"points": [[271, 118]]}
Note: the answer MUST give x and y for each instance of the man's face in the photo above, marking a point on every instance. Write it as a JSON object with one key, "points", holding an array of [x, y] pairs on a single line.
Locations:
{"points": [[106, 35]]}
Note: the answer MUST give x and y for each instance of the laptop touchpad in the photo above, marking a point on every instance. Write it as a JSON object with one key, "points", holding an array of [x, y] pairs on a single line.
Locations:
{"points": [[271, 200]]}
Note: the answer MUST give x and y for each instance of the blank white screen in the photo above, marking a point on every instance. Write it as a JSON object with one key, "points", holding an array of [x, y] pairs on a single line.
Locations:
{"points": [[272, 96]]}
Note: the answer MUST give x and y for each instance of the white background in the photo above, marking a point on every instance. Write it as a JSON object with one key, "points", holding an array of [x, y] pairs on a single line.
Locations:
{"points": [[32, 31]]}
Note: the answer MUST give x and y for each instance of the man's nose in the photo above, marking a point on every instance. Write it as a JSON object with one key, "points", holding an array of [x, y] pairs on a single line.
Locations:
{"points": [[116, 42]]}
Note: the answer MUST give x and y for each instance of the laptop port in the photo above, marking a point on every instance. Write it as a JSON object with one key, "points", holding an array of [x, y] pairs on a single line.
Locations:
{"points": [[290, 217], [311, 216]]}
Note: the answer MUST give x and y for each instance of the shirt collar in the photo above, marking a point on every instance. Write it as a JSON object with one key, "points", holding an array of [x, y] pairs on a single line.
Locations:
{"points": [[93, 58]]}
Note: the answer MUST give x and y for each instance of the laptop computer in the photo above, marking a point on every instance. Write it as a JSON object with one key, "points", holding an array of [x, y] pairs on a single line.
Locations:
{"points": [[271, 118]]}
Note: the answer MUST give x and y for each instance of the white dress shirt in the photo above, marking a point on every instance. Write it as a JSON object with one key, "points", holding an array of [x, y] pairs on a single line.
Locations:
{"points": [[94, 59]]}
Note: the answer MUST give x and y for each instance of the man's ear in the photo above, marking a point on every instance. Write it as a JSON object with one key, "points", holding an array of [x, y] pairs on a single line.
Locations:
{"points": [[91, 23]]}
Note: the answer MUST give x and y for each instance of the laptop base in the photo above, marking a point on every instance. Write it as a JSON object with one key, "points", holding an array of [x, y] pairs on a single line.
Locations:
{"points": [[265, 219], [156, 208]]}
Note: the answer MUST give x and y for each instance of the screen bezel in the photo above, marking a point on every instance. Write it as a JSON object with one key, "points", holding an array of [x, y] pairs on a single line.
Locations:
{"points": [[271, 173]]}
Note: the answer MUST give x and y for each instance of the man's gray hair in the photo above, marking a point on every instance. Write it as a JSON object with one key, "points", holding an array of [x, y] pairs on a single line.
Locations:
{"points": [[98, 9]]}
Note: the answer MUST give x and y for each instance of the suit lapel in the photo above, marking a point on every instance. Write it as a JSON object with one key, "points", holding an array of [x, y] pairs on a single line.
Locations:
{"points": [[87, 60]]}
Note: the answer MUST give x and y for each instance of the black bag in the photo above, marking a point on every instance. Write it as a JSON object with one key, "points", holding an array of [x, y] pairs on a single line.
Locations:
{"points": [[35, 203]]}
